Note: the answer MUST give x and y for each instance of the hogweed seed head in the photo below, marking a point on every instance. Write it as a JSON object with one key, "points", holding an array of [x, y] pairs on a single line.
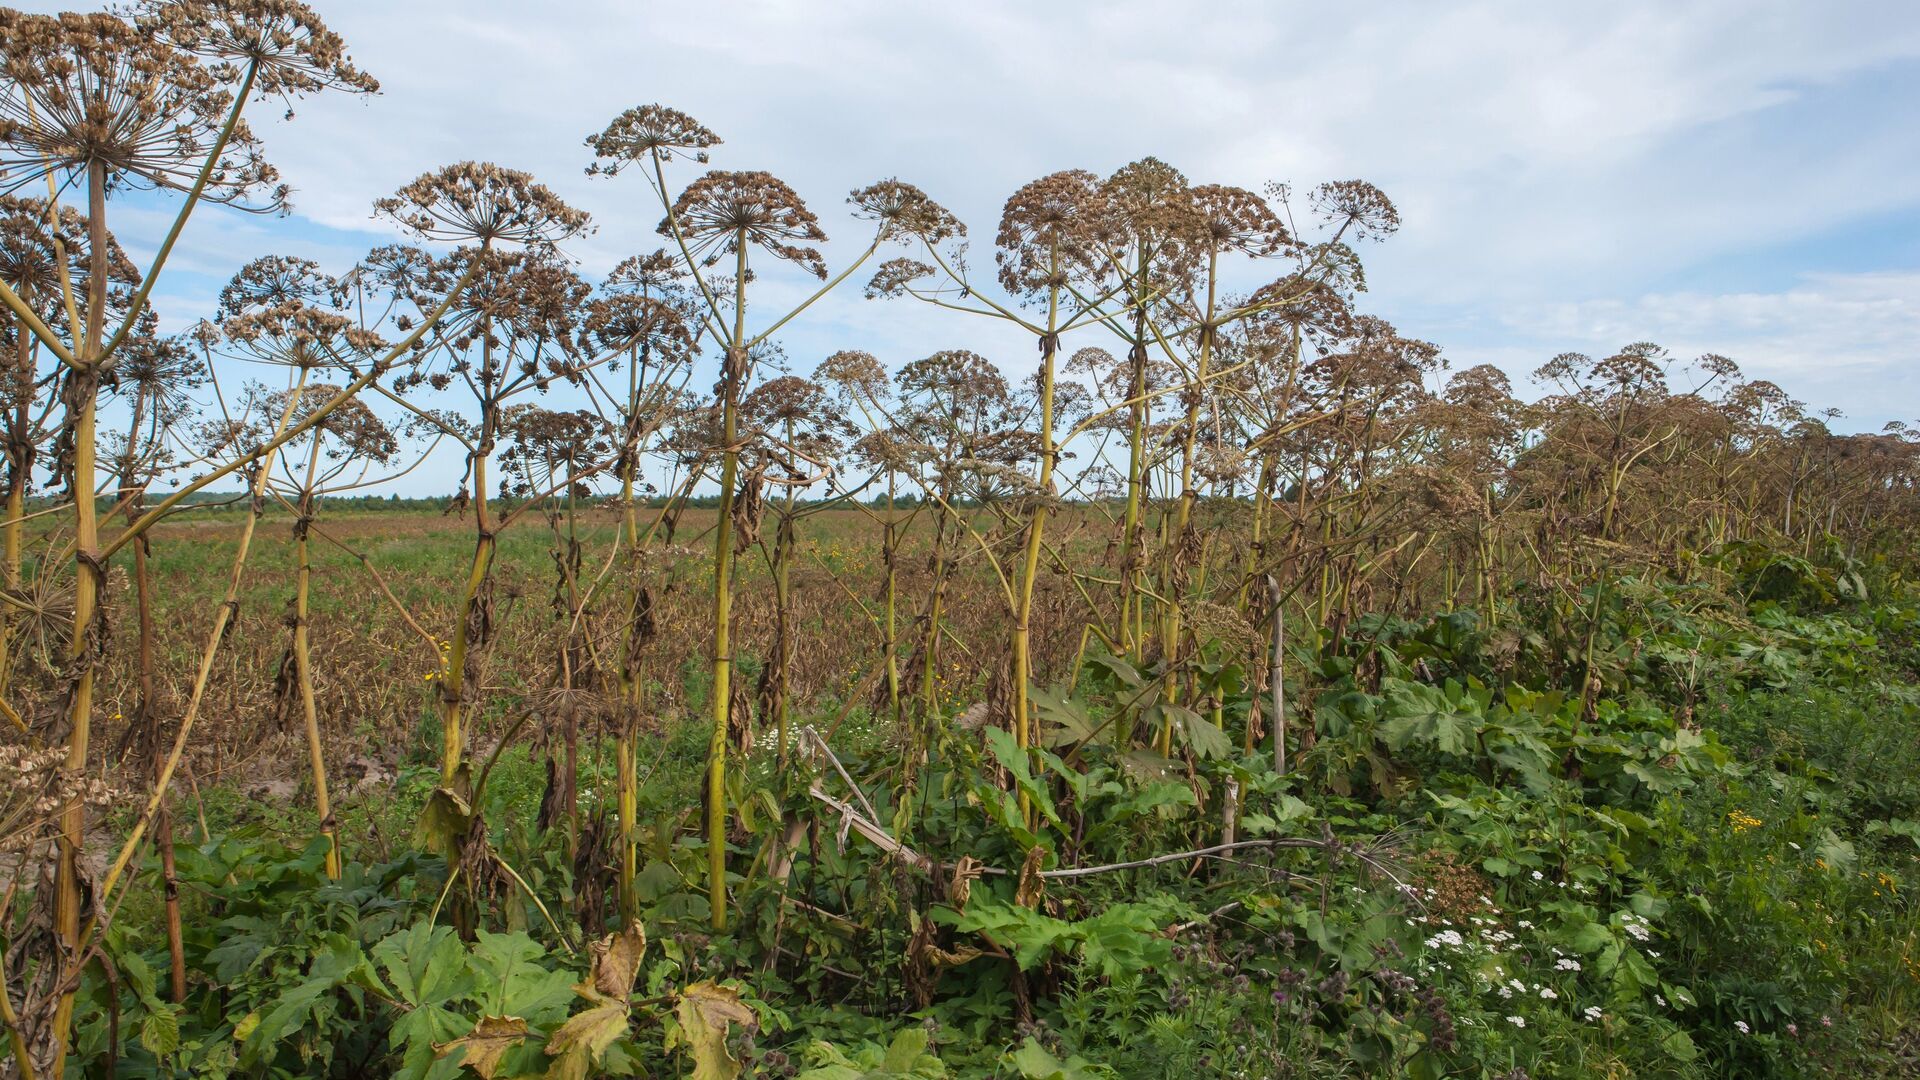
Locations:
{"points": [[905, 212], [81, 90], [482, 201], [645, 131], [895, 276], [721, 208], [291, 50], [1045, 230]]}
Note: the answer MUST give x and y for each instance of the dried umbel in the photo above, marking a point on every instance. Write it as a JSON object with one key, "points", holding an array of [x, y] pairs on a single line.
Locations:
{"points": [[1105, 369], [620, 322], [1045, 229], [896, 276], [692, 430], [1112, 377], [1215, 622], [648, 132], [886, 449], [1071, 401], [1356, 207], [1482, 388], [1762, 402], [35, 788], [656, 274], [302, 335], [290, 51], [1640, 368], [350, 431], [721, 209], [1146, 208], [1299, 306], [1234, 219], [481, 201], [1637, 370], [905, 213], [1476, 423], [954, 383], [273, 280], [795, 415], [1145, 198], [404, 271], [30, 263], [81, 90], [1221, 462], [1381, 371], [512, 298], [857, 375], [577, 435], [549, 449], [162, 370]]}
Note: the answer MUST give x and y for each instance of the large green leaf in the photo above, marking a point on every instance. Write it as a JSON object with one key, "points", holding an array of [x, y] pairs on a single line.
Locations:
{"points": [[1033, 1062], [1122, 670], [508, 980], [292, 1010], [426, 964], [1018, 763], [1066, 713], [1202, 735], [1417, 713]]}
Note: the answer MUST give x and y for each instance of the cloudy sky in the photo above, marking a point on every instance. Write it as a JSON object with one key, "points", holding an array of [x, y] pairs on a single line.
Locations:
{"points": [[1741, 177]]}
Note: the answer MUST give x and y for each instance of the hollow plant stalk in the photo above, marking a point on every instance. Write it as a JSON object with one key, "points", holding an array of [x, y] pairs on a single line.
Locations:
{"points": [[1036, 528], [87, 570], [303, 660], [735, 365]]}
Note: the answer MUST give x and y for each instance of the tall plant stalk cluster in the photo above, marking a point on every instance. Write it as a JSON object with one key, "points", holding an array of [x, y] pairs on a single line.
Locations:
{"points": [[1209, 474]]}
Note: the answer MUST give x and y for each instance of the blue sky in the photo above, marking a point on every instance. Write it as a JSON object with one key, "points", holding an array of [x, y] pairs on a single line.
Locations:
{"points": [[1735, 177]]}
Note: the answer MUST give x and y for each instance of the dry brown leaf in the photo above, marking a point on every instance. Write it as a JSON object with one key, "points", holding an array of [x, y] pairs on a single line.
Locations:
{"points": [[1032, 886], [616, 960], [489, 1040]]}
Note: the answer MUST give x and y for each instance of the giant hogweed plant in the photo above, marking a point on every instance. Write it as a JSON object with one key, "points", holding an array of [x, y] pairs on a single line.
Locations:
{"points": [[724, 217], [100, 104], [1371, 490]]}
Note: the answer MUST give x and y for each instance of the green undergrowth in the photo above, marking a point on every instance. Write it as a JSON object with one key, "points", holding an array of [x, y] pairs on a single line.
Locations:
{"points": [[1706, 870]]}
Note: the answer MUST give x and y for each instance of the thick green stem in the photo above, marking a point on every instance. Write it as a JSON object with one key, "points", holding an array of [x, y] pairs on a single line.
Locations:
{"points": [[87, 572], [1036, 529], [731, 377], [303, 663], [889, 551]]}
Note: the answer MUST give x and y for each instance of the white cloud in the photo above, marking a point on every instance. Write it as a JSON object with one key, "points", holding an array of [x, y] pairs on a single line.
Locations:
{"points": [[1542, 154], [1841, 340], [1522, 139]]}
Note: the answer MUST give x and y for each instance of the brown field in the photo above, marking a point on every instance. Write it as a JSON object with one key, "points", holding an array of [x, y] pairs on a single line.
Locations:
{"points": [[372, 667]]}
